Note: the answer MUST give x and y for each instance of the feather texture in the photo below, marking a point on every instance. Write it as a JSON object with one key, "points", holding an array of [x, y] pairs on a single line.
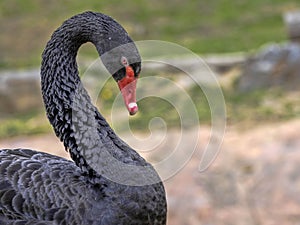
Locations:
{"points": [[107, 182]]}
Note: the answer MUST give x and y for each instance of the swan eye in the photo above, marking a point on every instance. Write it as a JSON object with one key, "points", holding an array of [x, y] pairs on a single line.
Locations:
{"points": [[124, 61]]}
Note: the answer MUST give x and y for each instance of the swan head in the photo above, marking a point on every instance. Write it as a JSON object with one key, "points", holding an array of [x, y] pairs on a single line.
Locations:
{"points": [[121, 58]]}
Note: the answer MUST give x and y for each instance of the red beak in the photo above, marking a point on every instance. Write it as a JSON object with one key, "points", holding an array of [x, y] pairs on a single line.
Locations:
{"points": [[128, 89]]}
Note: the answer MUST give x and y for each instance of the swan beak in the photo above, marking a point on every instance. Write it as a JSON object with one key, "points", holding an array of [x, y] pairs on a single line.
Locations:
{"points": [[128, 90]]}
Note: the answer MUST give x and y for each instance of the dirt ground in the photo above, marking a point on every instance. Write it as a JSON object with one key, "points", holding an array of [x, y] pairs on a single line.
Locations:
{"points": [[255, 180]]}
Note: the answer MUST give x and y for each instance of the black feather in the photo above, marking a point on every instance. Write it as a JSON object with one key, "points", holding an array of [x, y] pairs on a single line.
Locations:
{"points": [[41, 189]]}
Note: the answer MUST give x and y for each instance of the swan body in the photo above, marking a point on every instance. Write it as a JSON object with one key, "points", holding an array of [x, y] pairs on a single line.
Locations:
{"points": [[107, 182]]}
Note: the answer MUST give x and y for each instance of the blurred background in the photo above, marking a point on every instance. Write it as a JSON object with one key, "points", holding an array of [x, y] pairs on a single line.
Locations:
{"points": [[253, 48]]}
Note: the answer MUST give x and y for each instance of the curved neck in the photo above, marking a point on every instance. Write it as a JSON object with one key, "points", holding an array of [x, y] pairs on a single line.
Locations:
{"points": [[75, 120]]}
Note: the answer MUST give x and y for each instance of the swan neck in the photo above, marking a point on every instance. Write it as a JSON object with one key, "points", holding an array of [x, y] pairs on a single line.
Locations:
{"points": [[75, 120]]}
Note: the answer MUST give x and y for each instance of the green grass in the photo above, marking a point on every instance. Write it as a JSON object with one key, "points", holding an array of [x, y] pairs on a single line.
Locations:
{"points": [[261, 106], [215, 26], [243, 109], [249, 108], [203, 26], [252, 108], [30, 124]]}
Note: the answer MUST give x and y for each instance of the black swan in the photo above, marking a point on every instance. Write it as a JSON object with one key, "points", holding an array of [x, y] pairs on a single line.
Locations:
{"points": [[107, 182]]}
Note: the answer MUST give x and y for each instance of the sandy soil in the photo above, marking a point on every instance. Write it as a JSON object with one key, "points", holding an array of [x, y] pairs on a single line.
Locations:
{"points": [[254, 180]]}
